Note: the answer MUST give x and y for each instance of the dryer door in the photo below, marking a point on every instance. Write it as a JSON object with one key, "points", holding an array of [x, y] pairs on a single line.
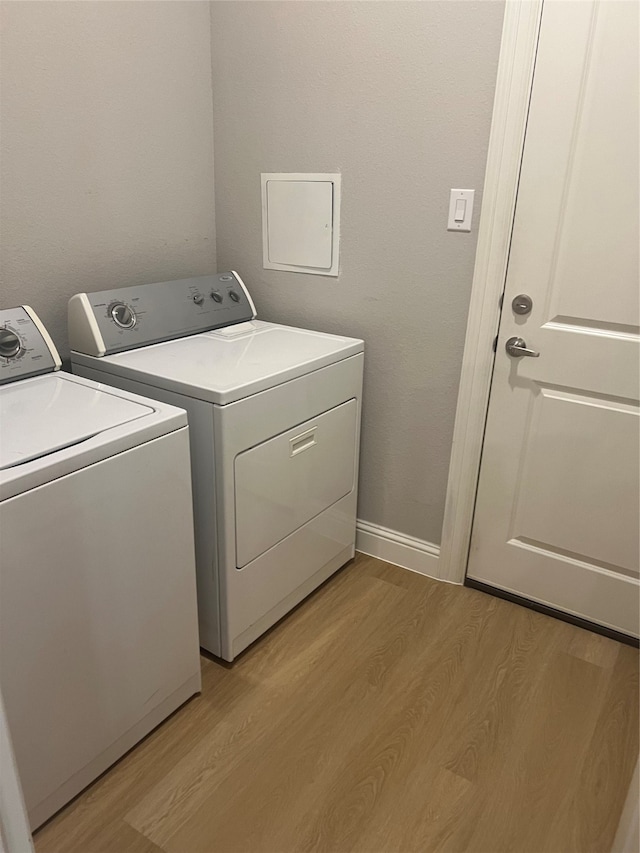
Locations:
{"points": [[286, 481]]}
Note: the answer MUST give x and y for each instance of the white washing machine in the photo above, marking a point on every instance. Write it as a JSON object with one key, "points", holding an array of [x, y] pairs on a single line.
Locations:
{"points": [[274, 416], [98, 619]]}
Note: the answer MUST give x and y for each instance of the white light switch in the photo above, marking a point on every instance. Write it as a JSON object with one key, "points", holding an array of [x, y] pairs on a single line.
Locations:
{"points": [[300, 222], [460, 210]]}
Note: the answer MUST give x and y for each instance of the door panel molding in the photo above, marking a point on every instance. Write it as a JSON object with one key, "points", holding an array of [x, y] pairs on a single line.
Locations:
{"points": [[516, 65], [582, 560]]}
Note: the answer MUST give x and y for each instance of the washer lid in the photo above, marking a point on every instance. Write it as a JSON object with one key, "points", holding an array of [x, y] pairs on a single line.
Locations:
{"points": [[232, 363], [51, 412]]}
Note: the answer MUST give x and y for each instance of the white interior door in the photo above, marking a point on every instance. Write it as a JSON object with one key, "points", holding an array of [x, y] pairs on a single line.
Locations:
{"points": [[557, 513]]}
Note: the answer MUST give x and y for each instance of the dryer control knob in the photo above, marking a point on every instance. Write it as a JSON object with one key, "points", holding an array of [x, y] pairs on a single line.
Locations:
{"points": [[122, 315], [217, 297], [233, 295], [198, 299]]}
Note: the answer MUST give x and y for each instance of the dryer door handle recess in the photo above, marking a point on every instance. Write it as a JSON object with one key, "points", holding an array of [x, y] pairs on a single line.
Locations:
{"points": [[302, 442]]}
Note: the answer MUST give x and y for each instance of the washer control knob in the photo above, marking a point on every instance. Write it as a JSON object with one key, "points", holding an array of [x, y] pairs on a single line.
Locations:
{"points": [[233, 295], [198, 299], [217, 297], [122, 315], [9, 343]]}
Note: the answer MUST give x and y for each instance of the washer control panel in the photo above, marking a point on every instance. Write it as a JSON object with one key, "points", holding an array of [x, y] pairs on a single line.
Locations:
{"points": [[25, 347], [110, 321]]}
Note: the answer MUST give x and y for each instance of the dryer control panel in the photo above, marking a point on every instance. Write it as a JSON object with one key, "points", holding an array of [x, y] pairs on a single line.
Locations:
{"points": [[25, 346], [110, 321]]}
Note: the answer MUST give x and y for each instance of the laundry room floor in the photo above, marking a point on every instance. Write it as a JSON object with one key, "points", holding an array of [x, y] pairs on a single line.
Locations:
{"points": [[387, 713]]}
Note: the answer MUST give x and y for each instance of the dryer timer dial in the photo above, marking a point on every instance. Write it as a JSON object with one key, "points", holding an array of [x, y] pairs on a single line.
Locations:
{"points": [[122, 315]]}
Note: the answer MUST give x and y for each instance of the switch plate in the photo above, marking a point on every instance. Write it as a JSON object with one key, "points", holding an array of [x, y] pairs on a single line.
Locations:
{"points": [[460, 210]]}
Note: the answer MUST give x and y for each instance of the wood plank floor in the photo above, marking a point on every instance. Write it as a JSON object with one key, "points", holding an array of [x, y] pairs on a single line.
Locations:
{"points": [[387, 713]]}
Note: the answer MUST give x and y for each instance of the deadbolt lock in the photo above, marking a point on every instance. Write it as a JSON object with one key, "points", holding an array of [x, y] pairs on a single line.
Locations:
{"points": [[522, 304]]}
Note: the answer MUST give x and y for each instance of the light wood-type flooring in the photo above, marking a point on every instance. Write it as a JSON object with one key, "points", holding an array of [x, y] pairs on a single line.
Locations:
{"points": [[388, 713]]}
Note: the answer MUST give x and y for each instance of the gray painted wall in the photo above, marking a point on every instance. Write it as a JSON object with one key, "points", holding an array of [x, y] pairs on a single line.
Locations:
{"points": [[106, 170], [397, 97], [106, 150]]}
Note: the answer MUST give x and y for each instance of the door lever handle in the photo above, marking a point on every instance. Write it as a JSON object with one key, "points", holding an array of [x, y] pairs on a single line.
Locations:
{"points": [[517, 347]]}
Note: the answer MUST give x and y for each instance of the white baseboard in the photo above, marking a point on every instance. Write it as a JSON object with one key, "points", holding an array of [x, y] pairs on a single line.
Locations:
{"points": [[397, 548]]}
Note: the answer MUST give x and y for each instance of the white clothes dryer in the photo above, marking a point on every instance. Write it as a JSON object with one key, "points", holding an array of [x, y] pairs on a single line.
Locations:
{"points": [[98, 619], [274, 416]]}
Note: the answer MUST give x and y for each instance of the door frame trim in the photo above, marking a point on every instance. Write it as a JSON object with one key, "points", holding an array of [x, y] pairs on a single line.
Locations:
{"points": [[514, 81]]}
